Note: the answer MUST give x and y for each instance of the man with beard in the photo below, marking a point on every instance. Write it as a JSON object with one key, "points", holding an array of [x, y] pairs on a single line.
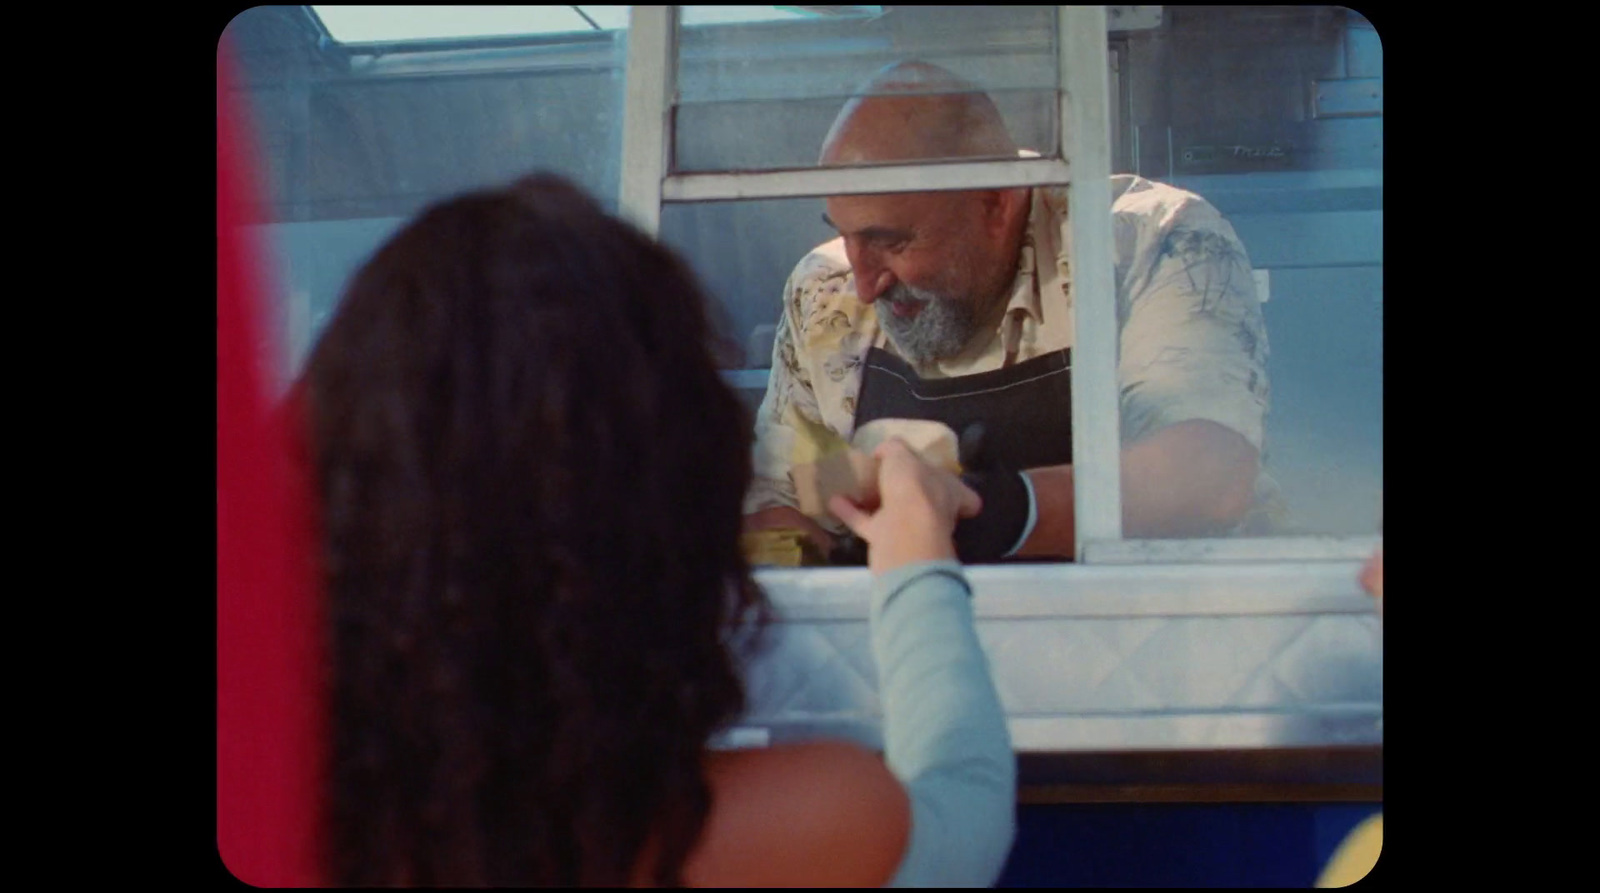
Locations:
{"points": [[956, 306]]}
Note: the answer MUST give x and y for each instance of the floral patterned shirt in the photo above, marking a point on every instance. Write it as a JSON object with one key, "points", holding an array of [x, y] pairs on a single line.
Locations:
{"points": [[1193, 345]]}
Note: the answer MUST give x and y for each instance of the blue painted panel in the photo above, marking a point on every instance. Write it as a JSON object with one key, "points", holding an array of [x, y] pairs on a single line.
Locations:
{"points": [[1177, 845]]}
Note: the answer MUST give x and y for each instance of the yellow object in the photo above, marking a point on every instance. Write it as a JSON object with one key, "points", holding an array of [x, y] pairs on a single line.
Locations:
{"points": [[813, 441], [780, 547], [1356, 855]]}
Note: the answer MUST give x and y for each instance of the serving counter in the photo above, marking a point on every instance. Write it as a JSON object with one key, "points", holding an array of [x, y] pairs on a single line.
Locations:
{"points": [[1259, 681]]}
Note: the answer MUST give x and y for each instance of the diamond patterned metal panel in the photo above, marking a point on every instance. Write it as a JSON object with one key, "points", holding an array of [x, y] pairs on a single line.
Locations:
{"points": [[1178, 681]]}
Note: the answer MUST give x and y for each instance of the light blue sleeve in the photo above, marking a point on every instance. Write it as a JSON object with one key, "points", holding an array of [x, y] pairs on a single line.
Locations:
{"points": [[944, 731]]}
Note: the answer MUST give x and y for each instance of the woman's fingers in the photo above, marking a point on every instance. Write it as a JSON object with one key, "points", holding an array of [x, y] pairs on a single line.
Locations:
{"points": [[1372, 574], [889, 446], [935, 484], [970, 503], [853, 517]]}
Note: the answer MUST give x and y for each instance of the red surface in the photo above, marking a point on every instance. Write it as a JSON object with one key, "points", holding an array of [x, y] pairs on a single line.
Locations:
{"points": [[269, 715]]}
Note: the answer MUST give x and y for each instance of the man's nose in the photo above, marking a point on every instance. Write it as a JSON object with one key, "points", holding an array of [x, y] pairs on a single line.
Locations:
{"points": [[872, 278]]}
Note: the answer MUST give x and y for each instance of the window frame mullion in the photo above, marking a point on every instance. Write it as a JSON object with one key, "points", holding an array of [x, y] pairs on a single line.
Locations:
{"points": [[649, 83], [1096, 414]]}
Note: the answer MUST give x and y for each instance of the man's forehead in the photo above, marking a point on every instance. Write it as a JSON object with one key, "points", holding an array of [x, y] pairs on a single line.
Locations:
{"points": [[895, 210], [870, 215]]}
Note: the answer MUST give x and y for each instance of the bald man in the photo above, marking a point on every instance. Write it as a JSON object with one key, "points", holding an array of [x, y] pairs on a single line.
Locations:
{"points": [[957, 306]]}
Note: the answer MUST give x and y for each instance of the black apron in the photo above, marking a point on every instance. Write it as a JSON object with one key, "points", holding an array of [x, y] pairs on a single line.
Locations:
{"points": [[1026, 409]]}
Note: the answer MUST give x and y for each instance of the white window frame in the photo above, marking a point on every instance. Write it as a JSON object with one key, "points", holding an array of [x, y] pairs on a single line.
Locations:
{"points": [[1085, 168]]}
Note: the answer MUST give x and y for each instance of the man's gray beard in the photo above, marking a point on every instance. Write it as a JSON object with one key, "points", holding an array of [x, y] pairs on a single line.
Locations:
{"points": [[939, 332]]}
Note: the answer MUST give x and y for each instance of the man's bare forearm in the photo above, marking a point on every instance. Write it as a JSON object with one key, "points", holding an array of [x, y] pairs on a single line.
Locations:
{"points": [[1193, 478], [1054, 529]]}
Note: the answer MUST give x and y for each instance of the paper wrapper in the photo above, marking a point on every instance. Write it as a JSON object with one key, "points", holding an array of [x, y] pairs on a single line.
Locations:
{"points": [[780, 547], [853, 473]]}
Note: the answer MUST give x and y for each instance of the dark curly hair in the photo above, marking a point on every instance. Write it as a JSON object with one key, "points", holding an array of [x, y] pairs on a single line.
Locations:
{"points": [[530, 474]]}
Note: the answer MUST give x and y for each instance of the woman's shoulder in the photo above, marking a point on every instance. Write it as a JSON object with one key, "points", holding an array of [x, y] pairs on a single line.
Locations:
{"points": [[821, 813]]}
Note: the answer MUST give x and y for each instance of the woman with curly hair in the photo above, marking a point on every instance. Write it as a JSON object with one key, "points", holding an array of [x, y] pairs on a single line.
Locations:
{"points": [[529, 475]]}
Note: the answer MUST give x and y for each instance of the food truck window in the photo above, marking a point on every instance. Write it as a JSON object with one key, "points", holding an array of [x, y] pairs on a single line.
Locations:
{"points": [[1274, 115]]}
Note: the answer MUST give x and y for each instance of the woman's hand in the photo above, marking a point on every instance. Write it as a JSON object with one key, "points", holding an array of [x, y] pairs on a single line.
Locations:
{"points": [[915, 511], [1372, 577]]}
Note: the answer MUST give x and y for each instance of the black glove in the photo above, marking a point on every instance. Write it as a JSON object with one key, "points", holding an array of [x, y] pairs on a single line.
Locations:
{"points": [[848, 550], [1007, 502]]}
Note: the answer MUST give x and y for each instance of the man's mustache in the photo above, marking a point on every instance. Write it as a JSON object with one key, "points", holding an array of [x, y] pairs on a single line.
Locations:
{"points": [[900, 293]]}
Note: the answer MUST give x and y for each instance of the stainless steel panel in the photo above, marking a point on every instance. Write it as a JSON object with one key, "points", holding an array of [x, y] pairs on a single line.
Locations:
{"points": [[1098, 659]]}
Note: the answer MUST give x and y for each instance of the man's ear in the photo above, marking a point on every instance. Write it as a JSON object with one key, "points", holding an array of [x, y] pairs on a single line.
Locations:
{"points": [[1002, 207]]}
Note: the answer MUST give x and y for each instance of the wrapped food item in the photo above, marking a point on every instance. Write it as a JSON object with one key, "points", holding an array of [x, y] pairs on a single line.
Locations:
{"points": [[780, 547], [935, 442], [852, 472]]}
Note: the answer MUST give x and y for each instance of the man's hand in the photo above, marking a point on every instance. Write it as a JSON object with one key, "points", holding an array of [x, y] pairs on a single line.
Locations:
{"points": [[786, 518], [1007, 502], [998, 530], [915, 512]]}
